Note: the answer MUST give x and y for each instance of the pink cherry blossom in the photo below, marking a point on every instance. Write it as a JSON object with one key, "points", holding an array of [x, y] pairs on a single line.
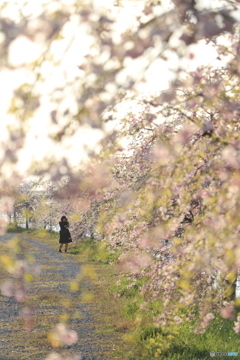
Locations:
{"points": [[70, 337], [19, 269], [209, 317], [228, 311], [3, 226], [54, 356], [133, 262], [6, 205], [7, 288], [20, 295], [65, 335]]}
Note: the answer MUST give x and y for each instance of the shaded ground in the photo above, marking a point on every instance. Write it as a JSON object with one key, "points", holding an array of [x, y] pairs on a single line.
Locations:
{"points": [[50, 293]]}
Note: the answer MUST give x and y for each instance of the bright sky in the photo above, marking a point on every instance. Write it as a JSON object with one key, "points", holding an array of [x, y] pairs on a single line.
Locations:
{"points": [[23, 50]]}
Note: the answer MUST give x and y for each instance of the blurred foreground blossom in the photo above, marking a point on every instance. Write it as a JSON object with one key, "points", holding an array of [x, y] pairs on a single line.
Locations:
{"points": [[231, 156], [134, 262], [27, 314], [3, 226], [184, 136], [227, 312], [161, 154], [54, 356], [36, 270], [16, 289], [207, 319], [23, 274], [7, 288], [62, 335], [21, 295], [6, 205], [19, 269]]}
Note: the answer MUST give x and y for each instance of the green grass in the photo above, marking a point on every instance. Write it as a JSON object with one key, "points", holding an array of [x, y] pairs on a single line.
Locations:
{"points": [[177, 341], [91, 250], [15, 229], [184, 344], [41, 233]]}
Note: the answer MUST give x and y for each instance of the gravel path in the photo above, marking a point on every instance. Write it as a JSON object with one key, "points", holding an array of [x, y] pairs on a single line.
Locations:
{"points": [[51, 286]]}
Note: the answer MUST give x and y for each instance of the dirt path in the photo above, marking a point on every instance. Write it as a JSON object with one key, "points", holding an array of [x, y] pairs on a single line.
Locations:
{"points": [[50, 293]]}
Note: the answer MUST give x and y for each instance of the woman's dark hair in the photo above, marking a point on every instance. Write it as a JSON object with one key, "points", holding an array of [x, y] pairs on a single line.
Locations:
{"points": [[63, 218]]}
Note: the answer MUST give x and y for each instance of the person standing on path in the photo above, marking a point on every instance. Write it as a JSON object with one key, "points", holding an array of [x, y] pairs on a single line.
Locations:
{"points": [[65, 236]]}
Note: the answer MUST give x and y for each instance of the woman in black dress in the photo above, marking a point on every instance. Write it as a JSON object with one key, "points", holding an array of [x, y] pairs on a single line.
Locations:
{"points": [[65, 236]]}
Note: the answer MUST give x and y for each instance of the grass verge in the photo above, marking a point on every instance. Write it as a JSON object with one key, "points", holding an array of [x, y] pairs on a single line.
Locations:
{"points": [[120, 301]]}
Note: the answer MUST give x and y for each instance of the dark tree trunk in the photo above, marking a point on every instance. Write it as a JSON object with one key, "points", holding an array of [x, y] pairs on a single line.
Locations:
{"points": [[15, 217]]}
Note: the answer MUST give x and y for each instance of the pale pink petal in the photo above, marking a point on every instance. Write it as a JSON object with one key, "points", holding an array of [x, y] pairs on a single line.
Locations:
{"points": [[6, 205], [54, 356], [70, 338], [7, 289]]}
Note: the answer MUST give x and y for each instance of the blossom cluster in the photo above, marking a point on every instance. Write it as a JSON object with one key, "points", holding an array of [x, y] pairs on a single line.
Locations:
{"points": [[61, 334]]}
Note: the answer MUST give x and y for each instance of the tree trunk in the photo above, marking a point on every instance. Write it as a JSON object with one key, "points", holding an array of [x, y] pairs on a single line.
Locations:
{"points": [[27, 223], [14, 217]]}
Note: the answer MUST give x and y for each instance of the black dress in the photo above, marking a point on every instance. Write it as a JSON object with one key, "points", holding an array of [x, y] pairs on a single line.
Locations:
{"points": [[65, 236]]}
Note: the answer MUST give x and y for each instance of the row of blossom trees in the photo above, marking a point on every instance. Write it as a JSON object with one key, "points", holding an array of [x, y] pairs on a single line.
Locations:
{"points": [[170, 201], [29, 204]]}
